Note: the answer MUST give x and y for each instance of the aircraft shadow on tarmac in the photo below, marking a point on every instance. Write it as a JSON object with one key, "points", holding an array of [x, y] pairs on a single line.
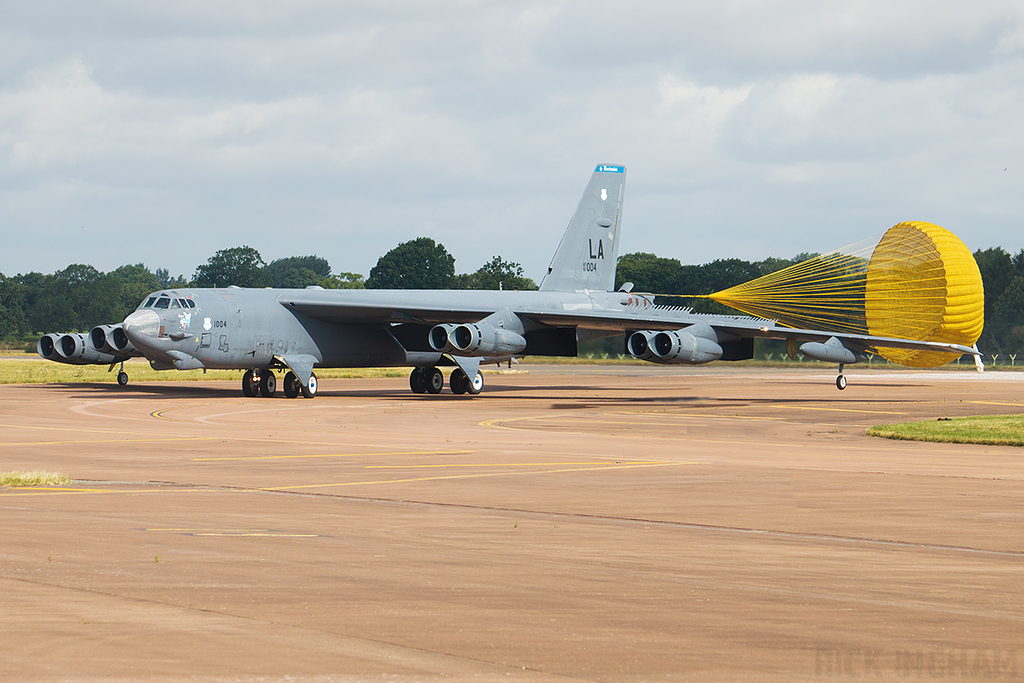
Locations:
{"points": [[557, 396]]}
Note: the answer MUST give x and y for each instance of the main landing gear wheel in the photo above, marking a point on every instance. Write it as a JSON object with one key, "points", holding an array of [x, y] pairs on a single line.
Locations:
{"points": [[459, 381], [250, 383], [292, 385], [122, 378], [309, 390], [476, 385], [435, 381], [268, 383], [418, 380]]}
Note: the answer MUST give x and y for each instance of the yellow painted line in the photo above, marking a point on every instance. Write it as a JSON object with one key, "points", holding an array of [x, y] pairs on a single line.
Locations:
{"points": [[498, 423], [849, 410], [56, 443], [997, 403], [255, 534], [58, 428], [159, 414], [453, 476], [237, 532], [573, 420], [715, 417], [331, 455], [28, 491], [514, 464]]}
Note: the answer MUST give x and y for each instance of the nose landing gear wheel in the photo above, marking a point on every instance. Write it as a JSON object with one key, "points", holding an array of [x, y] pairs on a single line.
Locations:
{"points": [[250, 383], [268, 384]]}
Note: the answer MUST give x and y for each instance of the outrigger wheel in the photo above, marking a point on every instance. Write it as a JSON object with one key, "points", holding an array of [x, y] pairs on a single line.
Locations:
{"points": [[841, 379]]}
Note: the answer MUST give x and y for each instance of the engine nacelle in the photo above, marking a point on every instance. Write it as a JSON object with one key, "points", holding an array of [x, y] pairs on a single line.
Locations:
{"points": [[680, 346], [639, 345], [71, 348], [482, 339], [47, 346], [119, 340], [439, 338], [673, 347], [100, 338]]}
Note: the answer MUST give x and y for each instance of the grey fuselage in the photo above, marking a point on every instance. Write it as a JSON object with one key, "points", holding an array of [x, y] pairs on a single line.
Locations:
{"points": [[247, 328]]}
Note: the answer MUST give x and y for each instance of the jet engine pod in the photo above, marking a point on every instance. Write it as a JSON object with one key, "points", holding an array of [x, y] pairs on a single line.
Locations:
{"points": [[481, 339], [47, 346], [680, 346], [99, 337], [71, 346], [438, 337], [119, 340], [639, 345]]}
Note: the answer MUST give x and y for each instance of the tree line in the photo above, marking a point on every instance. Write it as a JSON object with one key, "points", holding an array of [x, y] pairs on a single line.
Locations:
{"points": [[80, 297]]}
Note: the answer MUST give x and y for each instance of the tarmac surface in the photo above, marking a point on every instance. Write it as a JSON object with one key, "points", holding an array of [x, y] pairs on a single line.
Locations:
{"points": [[568, 524]]}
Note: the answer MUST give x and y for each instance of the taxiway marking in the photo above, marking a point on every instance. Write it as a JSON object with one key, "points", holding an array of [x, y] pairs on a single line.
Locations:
{"points": [[455, 476], [332, 455], [125, 440], [849, 410], [238, 532], [519, 464]]}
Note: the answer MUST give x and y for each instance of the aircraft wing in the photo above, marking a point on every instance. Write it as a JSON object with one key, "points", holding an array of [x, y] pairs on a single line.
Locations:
{"points": [[609, 312]]}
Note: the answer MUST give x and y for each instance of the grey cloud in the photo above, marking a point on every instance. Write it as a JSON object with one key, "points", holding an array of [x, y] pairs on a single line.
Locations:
{"points": [[162, 132]]}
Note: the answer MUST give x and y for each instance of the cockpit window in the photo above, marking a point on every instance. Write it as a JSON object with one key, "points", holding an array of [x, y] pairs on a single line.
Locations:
{"points": [[191, 304], [175, 304], [149, 303], [162, 303], [183, 302]]}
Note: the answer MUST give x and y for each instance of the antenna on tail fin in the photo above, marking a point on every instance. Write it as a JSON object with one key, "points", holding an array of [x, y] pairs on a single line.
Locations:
{"points": [[586, 256]]}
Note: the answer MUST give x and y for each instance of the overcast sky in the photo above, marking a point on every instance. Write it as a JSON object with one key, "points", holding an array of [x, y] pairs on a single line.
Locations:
{"points": [[161, 132]]}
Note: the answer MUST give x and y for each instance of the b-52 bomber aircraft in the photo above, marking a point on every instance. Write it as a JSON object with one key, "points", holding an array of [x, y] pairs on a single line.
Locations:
{"points": [[263, 331]]}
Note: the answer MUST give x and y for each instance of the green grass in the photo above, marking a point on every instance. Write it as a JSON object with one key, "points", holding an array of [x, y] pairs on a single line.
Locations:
{"points": [[991, 430], [8, 479], [34, 370]]}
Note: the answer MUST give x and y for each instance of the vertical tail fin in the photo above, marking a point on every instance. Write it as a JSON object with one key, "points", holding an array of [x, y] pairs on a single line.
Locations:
{"points": [[586, 256]]}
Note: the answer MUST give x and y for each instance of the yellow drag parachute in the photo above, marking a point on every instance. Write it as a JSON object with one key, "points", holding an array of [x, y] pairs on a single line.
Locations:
{"points": [[919, 282]]}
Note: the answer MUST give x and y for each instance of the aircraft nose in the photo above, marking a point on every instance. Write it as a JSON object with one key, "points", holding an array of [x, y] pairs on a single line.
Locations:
{"points": [[141, 326]]}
